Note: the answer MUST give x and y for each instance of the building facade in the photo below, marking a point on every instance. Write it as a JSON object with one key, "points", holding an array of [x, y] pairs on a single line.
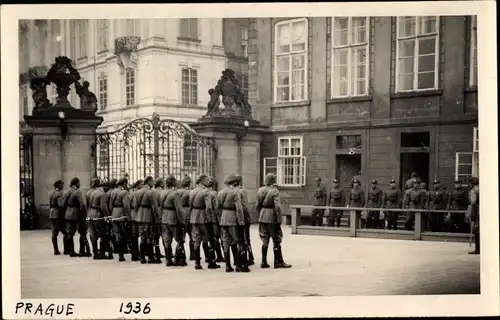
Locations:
{"points": [[378, 97]]}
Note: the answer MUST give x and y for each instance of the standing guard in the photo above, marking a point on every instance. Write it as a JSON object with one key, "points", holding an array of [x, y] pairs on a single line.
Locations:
{"points": [[248, 222], [215, 243], [201, 208], [57, 217], [120, 211], [232, 217], [438, 200], [134, 229], [73, 204], [357, 200], [320, 197], [270, 218], [145, 216], [414, 199], [410, 181], [392, 200], [474, 213], [375, 196], [184, 191], [335, 199], [113, 246], [156, 230], [457, 201], [97, 214], [425, 203]]}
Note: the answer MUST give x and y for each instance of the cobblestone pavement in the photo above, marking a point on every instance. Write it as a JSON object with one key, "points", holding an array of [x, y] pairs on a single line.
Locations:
{"points": [[322, 266]]}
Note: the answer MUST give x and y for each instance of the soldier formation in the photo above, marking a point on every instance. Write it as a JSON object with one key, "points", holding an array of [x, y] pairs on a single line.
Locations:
{"points": [[124, 219], [416, 196]]}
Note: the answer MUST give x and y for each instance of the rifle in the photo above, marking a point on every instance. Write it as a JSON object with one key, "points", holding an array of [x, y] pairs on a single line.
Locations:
{"points": [[471, 232]]}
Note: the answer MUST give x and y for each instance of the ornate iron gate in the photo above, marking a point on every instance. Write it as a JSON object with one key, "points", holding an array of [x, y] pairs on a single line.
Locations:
{"points": [[26, 170], [154, 147]]}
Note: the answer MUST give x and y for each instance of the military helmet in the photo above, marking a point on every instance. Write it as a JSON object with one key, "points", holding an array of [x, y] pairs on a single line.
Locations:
{"points": [[112, 183], [270, 179], [159, 182], [121, 182], [95, 182], [186, 181], [203, 180], [170, 181], [231, 179], [74, 182], [58, 184]]}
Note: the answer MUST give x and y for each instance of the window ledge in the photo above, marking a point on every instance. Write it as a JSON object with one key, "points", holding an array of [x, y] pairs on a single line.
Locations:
{"points": [[291, 187], [471, 89], [81, 59], [349, 99], [412, 94], [286, 104], [188, 39]]}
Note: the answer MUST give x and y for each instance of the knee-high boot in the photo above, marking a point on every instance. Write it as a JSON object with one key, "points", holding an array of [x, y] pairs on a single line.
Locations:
{"points": [[234, 251], [54, 245], [242, 255], [65, 244], [227, 259], [95, 249], [71, 245], [279, 263], [122, 245], [143, 248], [168, 256], [134, 247], [197, 258], [206, 252], [218, 251], [264, 264]]}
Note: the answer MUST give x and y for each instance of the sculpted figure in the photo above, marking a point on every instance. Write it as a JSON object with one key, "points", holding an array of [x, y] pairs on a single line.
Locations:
{"points": [[87, 98], [214, 103], [39, 88]]}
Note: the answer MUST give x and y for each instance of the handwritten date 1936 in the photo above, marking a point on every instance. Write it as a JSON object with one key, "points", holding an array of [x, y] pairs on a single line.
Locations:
{"points": [[137, 307]]}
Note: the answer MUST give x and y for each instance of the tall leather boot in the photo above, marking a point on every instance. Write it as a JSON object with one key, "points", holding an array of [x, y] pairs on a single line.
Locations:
{"points": [[237, 263], [109, 249], [143, 248], [55, 246], [180, 256], [264, 264], [158, 254], [115, 244], [251, 261], [279, 263], [168, 256], [227, 258], [243, 259], [71, 244], [81, 251], [211, 260], [206, 252], [135, 249], [191, 251], [197, 259], [95, 249], [122, 245], [65, 245], [150, 253], [218, 251], [86, 247]]}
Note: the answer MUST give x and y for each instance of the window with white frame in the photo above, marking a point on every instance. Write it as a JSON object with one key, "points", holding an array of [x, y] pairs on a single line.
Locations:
{"points": [[188, 28], [350, 52], [189, 86], [473, 51], [103, 91], [132, 27], [102, 34], [81, 38], [130, 87], [290, 61], [290, 165], [244, 40], [463, 166], [475, 158], [243, 79], [417, 53]]}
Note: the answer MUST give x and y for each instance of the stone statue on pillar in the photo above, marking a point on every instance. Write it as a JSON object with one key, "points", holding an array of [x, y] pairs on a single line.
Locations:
{"points": [[63, 75], [39, 87], [88, 99]]}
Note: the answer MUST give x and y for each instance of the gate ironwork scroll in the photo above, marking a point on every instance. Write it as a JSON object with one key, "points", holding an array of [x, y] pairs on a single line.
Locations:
{"points": [[154, 147], [26, 170]]}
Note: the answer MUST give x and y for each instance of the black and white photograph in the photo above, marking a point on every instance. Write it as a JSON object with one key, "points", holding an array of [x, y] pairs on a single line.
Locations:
{"points": [[249, 160]]}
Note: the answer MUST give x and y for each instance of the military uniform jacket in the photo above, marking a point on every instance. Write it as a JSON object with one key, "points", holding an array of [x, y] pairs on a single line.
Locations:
{"points": [[409, 184], [356, 198], [145, 205], [457, 199], [185, 210], [336, 197], [157, 205], [375, 197], [200, 203], [87, 198], [170, 207], [133, 205], [232, 208], [244, 204], [474, 203], [120, 203], [55, 208], [414, 199], [73, 204], [320, 196], [268, 205], [215, 205], [392, 198], [438, 199], [107, 195], [98, 204]]}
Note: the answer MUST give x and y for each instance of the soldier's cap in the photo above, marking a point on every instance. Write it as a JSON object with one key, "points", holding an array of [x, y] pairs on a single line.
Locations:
{"points": [[335, 181], [270, 179], [137, 183], [186, 181], [374, 181], [231, 179], [74, 181], [112, 182], [210, 182], [392, 181], [104, 184], [436, 182], [318, 179], [58, 184], [95, 182], [203, 180], [413, 174], [159, 182], [417, 180], [474, 181], [170, 180], [148, 179], [121, 182]]}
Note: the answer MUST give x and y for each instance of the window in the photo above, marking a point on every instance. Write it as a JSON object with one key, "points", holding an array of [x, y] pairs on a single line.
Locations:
{"points": [[132, 27], [348, 142], [417, 53], [244, 41], [24, 60], [103, 157], [23, 101], [129, 87], [475, 159], [290, 61], [80, 37], [189, 28], [190, 86], [56, 42], [190, 153], [102, 35], [290, 165], [350, 72], [243, 79], [103, 91], [463, 166], [473, 51]]}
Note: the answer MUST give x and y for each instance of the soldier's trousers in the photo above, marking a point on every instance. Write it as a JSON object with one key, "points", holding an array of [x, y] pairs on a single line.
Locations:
{"points": [[156, 232], [71, 227], [230, 236], [334, 218], [58, 225], [269, 231], [145, 232], [119, 230], [436, 221], [200, 234], [171, 232], [457, 222], [372, 221], [317, 217], [392, 220], [98, 229]]}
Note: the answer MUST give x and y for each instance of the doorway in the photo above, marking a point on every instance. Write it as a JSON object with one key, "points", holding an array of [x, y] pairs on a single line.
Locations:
{"points": [[414, 162], [347, 166]]}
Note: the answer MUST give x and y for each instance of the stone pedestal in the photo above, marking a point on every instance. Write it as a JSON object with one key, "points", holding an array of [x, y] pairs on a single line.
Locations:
{"points": [[238, 150], [58, 156]]}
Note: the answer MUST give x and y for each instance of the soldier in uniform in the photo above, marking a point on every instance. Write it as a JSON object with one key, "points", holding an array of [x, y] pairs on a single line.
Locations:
{"points": [[425, 202], [98, 211], [392, 200], [156, 230], [232, 218], [375, 196], [201, 209], [184, 191], [145, 216], [409, 182], [270, 218], [356, 199], [134, 230], [73, 204], [171, 215], [335, 199], [120, 211], [248, 222], [413, 200], [457, 201], [438, 200], [474, 212], [111, 237], [57, 217], [320, 196], [215, 243]]}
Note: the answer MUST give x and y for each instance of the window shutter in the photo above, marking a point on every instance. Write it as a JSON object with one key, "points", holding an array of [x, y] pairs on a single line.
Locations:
{"points": [[193, 28], [184, 28]]}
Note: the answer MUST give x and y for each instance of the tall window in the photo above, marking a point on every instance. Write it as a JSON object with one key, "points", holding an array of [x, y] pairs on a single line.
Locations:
{"points": [[133, 27], [102, 35], [190, 153], [81, 37], [23, 101], [463, 166], [417, 53], [350, 56], [244, 41], [103, 91], [473, 51], [189, 28], [290, 61], [56, 40], [190, 86], [130, 87], [475, 150], [24, 50], [290, 165]]}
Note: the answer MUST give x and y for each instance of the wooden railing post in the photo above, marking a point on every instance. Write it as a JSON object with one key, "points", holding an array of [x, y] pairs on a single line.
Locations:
{"points": [[418, 225], [353, 222], [295, 219]]}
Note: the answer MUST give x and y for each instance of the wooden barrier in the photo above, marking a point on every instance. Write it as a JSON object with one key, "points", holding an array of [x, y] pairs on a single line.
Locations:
{"points": [[354, 231]]}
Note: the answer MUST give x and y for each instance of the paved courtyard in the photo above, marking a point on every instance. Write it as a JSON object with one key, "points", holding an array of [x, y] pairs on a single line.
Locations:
{"points": [[322, 266]]}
